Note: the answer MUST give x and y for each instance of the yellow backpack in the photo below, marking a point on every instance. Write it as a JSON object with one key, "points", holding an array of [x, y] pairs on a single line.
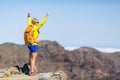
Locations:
{"points": [[28, 35]]}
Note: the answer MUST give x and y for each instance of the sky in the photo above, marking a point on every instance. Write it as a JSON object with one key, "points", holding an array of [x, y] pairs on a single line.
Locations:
{"points": [[93, 23]]}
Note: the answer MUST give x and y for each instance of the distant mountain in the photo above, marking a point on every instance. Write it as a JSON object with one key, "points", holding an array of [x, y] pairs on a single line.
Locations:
{"points": [[83, 63]]}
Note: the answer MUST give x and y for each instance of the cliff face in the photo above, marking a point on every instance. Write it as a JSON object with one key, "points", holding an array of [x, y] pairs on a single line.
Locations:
{"points": [[83, 63]]}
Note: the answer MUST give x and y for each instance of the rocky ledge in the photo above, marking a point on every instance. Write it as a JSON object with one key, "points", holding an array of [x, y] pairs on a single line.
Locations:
{"points": [[16, 73]]}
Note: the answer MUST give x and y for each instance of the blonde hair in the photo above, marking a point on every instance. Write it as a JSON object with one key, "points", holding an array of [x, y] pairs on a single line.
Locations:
{"points": [[34, 21]]}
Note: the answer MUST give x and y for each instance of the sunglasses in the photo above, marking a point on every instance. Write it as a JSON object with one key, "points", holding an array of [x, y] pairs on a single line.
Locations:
{"points": [[37, 22]]}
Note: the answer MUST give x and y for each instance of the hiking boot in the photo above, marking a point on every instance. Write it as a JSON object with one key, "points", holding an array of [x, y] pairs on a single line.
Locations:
{"points": [[33, 73]]}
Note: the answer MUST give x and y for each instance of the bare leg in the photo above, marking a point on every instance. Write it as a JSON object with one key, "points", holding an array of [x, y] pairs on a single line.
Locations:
{"points": [[32, 60]]}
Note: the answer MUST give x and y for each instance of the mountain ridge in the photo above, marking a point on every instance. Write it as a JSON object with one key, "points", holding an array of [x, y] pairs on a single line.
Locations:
{"points": [[82, 63]]}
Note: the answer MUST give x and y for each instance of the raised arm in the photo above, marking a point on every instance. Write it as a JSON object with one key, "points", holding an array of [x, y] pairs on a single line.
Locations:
{"points": [[29, 19], [43, 20]]}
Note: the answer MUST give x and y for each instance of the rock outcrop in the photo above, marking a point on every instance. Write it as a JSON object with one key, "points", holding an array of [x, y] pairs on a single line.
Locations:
{"points": [[16, 73]]}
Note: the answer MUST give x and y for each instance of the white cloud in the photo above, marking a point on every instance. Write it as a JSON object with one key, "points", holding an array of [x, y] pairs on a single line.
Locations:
{"points": [[71, 48], [107, 50]]}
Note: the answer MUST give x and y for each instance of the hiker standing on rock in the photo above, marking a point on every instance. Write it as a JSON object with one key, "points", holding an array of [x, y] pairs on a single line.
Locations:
{"points": [[31, 39]]}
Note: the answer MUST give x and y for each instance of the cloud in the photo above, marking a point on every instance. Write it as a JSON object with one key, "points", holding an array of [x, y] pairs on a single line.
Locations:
{"points": [[107, 50]]}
